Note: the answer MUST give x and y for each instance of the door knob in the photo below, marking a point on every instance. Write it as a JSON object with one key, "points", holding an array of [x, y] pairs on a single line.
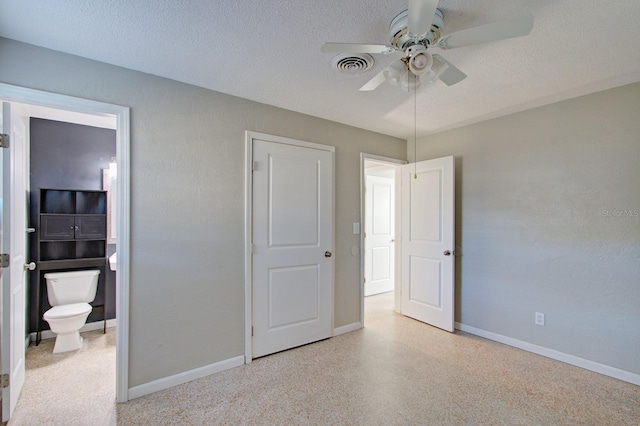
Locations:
{"points": [[327, 254], [447, 253], [30, 266]]}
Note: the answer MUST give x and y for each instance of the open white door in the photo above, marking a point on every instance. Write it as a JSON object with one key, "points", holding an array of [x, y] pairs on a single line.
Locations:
{"points": [[292, 270], [428, 242], [379, 243], [13, 244]]}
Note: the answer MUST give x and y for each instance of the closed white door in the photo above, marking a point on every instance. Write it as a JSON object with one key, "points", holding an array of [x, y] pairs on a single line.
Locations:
{"points": [[378, 238], [428, 242], [292, 263], [14, 229]]}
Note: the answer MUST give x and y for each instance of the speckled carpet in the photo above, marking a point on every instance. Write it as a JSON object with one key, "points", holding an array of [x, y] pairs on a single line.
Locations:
{"points": [[71, 388], [394, 371]]}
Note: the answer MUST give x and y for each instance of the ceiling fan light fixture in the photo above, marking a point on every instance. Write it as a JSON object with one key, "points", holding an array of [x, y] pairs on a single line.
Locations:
{"points": [[420, 63], [410, 82], [436, 70], [396, 73], [418, 59]]}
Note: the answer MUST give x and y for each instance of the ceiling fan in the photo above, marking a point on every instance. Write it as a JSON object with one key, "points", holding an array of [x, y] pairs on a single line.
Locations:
{"points": [[418, 30]]}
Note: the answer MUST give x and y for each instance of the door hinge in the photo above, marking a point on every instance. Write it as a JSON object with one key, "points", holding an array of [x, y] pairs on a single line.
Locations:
{"points": [[251, 331], [4, 140], [4, 260], [254, 166], [4, 381]]}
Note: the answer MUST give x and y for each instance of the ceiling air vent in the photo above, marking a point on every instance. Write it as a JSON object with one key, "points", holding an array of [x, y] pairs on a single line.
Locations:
{"points": [[352, 63]]}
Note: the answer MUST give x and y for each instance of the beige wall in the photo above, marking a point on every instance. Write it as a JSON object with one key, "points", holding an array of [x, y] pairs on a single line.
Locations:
{"points": [[548, 206], [187, 202]]}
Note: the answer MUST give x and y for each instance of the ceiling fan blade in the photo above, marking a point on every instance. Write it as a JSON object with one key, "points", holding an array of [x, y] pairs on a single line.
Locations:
{"points": [[509, 28], [451, 75], [374, 82], [420, 17], [355, 48]]}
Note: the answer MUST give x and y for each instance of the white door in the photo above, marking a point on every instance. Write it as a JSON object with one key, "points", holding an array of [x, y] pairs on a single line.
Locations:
{"points": [[13, 278], [428, 242], [292, 267], [378, 237]]}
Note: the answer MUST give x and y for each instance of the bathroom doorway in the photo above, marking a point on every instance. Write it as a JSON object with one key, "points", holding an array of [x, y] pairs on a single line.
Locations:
{"points": [[32, 103], [72, 157]]}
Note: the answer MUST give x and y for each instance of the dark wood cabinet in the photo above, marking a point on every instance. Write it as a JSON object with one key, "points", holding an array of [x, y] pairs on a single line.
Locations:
{"points": [[72, 227], [72, 234], [91, 227], [57, 227]]}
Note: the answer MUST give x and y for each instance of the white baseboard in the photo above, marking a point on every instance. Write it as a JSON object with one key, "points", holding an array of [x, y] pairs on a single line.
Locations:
{"points": [[187, 376], [91, 326], [596, 367], [347, 328]]}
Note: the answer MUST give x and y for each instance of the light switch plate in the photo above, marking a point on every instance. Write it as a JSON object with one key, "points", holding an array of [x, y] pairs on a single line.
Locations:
{"points": [[356, 228]]}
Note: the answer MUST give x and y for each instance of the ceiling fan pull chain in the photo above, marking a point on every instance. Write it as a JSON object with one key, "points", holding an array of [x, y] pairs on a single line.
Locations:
{"points": [[415, 126]]}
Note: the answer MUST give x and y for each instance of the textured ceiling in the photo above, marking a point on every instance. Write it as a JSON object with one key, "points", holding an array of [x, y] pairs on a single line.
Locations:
{"points": [[269, 51]]}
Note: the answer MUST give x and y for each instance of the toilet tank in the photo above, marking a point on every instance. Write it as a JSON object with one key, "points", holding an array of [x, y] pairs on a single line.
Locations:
{"points": [[64, 288]]}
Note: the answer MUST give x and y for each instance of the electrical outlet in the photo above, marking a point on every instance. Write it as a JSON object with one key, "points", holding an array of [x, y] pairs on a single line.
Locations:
{"points": [[539, 318]]}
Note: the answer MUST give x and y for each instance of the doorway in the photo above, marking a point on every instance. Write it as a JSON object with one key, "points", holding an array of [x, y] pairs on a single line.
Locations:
{"points": [[380, 219], [379, 228], [34, 99], [71, 155], [423, 238]]}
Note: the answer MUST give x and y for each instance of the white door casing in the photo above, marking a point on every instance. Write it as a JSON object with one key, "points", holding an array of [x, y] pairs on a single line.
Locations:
{"points": [[428, 242], [292, 244], [33, 97], [379, 235], [14, 244]]}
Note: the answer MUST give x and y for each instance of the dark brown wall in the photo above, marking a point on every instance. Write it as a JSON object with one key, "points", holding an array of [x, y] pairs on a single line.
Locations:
{"points": [[68, 156]]}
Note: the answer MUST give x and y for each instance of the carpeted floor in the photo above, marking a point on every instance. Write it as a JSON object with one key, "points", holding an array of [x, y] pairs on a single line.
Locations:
{"points": [[394, 371]]}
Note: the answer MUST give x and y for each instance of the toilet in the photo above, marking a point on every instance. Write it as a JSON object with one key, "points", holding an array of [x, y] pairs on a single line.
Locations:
{"points": [[69, 294]]}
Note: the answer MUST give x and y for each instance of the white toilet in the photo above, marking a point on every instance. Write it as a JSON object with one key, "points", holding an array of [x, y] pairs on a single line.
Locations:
{"points": [[69, 294]]}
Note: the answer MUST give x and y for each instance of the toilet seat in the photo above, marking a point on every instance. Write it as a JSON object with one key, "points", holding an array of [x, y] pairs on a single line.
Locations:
{"points": [[67, 311]]}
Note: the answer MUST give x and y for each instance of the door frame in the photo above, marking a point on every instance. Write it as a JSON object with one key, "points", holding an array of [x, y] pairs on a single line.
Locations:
{"points": [[11, 93], [397, 282], [248, 226]]}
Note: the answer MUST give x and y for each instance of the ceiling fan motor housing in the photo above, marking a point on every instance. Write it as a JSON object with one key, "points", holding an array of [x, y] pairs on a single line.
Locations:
{"points": [[400, 37]]}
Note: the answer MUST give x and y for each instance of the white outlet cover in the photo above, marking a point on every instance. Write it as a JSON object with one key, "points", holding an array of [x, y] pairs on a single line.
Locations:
{"points": [[539, 318]]}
